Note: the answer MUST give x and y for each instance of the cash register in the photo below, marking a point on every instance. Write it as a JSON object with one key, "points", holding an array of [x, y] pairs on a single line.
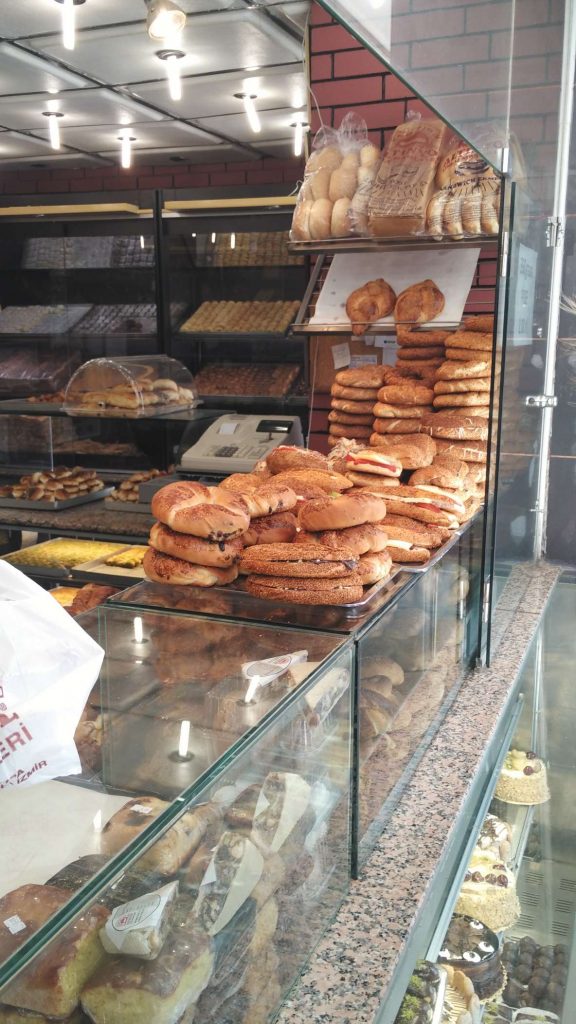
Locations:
{"points": [[235, 442]]}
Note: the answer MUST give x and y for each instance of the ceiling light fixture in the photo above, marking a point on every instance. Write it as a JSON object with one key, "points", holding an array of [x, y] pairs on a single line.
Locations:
{"points": [[165, 21], [54, 127], [251, 112], [300, 126], [69, 22], [126, 141], [173, 70], [233, 240]]}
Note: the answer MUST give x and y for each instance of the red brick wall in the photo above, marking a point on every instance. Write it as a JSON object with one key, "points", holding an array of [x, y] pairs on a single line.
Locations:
{"points": [[250, 173]]}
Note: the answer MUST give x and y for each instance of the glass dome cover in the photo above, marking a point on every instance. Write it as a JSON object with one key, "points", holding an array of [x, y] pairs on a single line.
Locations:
{"points": [[130, 386]]}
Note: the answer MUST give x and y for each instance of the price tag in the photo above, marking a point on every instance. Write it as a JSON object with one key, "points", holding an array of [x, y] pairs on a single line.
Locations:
{"points": [[341, 355], [14, 924], [140, 809], [365, 360]]}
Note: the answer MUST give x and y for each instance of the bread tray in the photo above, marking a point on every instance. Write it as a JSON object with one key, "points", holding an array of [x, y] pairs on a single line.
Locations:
{"points": [[351, 610], [56, 506], [127, 506], [97, 571]]}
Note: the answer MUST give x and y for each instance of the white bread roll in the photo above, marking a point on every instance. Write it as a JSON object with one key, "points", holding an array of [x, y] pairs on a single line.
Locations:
{"points": [[351, 162], [343, 183], [320, 183], [329, 157], [301, 221], [320, 219], [341, 224], [370, 156]]}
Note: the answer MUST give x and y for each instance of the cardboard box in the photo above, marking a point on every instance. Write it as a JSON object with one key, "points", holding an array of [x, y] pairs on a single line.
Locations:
{"points": [[332, 352]]}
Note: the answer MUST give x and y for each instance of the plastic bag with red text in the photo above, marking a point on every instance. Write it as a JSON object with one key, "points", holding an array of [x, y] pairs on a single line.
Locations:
{"points": [[48, 665]]}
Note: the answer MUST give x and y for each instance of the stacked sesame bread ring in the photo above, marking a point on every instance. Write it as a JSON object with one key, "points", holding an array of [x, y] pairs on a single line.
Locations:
{"points": [[353, 394]]}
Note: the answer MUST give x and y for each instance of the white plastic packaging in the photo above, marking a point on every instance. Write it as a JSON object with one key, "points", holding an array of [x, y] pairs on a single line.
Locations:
{"points": [[48, 665]]}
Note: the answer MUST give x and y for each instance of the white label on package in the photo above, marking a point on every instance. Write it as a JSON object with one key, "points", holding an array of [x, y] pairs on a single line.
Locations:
{"points": [[228, 428], [364, 360], [341, 355], [139, 928], [210, 875], [141, 809], [14, 924]]}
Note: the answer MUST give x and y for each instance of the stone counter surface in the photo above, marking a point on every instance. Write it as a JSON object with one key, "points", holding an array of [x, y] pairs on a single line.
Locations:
{"points": [[352, 968]]}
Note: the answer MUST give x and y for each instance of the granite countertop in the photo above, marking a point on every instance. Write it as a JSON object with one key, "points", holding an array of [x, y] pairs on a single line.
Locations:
{"points": [[352, 968], [91, 520]]}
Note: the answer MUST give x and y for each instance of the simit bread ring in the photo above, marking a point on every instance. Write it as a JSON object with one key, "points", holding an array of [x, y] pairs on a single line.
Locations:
{"points": [[406, 394], [201, 511], [163, 569], [353, 509]]}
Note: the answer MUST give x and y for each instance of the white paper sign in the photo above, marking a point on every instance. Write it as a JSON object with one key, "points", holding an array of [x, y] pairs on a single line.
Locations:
{"points": [[341, 355], [524, 279], [365, 360]]}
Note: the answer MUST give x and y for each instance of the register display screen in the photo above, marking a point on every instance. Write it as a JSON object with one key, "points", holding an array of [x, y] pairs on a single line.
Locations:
{"points": [[274, 426]]}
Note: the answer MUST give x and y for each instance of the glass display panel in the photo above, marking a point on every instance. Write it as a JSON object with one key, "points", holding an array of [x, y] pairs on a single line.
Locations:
{"points": [[277, 803], [410, 665]]}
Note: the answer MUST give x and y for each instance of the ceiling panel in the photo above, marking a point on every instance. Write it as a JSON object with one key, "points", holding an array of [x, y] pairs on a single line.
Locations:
{"points": [[275, 125], [213, 43], [215, 96], [166, 134], [13, 146], [78, 107], [29, 17], [22, 72]]}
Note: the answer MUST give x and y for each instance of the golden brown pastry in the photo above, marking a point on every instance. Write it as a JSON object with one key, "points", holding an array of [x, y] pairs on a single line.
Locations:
{"points": [[373, 301]]}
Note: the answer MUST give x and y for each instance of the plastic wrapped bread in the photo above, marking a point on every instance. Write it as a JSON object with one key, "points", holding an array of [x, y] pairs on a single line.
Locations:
{"points": [[232, 874], [467, 200], [405, 181], [338, 178], [283, 799]]}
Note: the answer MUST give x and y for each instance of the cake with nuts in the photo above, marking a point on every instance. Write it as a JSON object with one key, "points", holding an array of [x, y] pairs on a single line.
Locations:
{"points": [[523, 779], [489, 892]]}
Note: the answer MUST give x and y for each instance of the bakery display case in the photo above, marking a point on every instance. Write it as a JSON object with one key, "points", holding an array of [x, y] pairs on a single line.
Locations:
{"points": [[499, 916], [214, 792], [131, 387], [242, 289]]}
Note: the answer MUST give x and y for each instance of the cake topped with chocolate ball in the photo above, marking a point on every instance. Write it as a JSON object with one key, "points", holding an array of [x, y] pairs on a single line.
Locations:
{"points": [[471, 947], [489, 892], [523, 779]]}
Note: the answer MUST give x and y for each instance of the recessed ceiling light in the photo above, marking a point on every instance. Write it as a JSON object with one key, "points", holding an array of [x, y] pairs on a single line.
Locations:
{"points": [[251, 112], [69, 22], [126, 141], [54, 127], [172, 58], [165, 21]]}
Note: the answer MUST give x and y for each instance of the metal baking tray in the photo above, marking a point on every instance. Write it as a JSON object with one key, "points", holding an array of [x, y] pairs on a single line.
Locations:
{"points": [[97, 571], [20, 405], [351, 610], [127, 506], [56, 506]]}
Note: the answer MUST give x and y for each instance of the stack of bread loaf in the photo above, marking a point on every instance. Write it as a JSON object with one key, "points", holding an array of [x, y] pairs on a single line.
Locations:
{"points": [[339, 548], [200, 534], [333, 201], [463, 380], [354, 393]]}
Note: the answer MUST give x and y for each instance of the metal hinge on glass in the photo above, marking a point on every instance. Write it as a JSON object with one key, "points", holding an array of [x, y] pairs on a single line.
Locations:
{"points": [[554, 232], [541, 401], [486, 601], [261, 673]]}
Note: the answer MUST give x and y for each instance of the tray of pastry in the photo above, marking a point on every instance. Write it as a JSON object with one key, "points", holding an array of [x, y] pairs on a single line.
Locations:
{"points": [[272, 380], [241, 318], [121, 567], [58, 556], [54, 489]]}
